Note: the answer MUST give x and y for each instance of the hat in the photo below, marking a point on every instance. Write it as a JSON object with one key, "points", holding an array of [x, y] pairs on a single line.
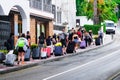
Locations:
{"points": [[90, 30]]}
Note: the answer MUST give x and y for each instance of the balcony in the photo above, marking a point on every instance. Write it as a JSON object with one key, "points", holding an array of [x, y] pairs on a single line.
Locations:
{"points": [[43, 5]]}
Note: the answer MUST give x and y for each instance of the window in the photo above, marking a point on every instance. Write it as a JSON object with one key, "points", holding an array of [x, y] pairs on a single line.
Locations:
{"points": [[54, 11], [4, 32], [59, 17], [36, 4], [48, 2]]}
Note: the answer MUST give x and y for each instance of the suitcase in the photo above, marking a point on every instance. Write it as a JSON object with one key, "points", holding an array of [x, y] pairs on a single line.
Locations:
{"points": [[48, 51], [97, 41], [10, 58], [36, 53], [2, 57], [43, 53], [83, 44], [70, 47], [28, 55], [52, 49], [58, 50]]}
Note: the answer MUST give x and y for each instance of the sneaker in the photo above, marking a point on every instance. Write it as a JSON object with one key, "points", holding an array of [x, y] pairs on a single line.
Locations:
{"points": [[22, 62]]}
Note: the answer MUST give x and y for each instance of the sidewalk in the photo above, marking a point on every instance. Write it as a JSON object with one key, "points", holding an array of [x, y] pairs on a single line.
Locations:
{"points": [[4, 69]]}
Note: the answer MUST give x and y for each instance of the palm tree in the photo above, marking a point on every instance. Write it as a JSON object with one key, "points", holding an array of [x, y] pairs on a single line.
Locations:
{"points": [[96, 15], [98, 10]]}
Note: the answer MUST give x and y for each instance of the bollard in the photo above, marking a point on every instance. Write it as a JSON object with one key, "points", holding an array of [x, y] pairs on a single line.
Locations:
{"points": [[112, 36]]}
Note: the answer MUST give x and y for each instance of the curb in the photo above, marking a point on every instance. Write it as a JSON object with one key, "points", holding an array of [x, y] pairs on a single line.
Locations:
{"points": [[114, 76], [17, 68]]}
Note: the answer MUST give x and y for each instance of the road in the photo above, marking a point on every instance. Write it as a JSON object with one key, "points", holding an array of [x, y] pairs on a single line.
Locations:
{"points": [[99, 64]]}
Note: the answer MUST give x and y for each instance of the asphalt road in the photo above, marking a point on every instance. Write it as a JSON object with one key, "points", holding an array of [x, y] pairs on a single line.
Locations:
{"points": [[99, 64]]}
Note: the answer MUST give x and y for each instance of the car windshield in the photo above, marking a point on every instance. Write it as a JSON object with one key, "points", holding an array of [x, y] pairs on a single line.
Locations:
{"points": [[110, 24]]}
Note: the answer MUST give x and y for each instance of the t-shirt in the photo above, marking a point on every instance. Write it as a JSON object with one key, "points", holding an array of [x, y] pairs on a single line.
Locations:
{"points": [[41, 39], [63, 36]]}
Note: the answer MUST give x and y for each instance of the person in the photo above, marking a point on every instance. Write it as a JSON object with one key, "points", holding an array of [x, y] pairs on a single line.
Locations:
{"points": [[54, 36], [86, 37], [100, 35], [28, 37], [10, 42], [41, 40], [79, 33], [63, 38], [71, 34], [77, 40], [48, 41], [22, 45], [91, 37]]}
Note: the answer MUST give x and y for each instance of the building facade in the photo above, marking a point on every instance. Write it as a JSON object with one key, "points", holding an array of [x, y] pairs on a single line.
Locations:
{"points": [[25, 15], [64, 14]]}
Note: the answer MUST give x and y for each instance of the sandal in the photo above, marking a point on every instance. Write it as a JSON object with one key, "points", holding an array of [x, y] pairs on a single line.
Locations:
{"points": [[18, 62]]}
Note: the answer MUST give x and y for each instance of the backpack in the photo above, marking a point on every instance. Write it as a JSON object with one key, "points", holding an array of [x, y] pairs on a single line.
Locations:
{"points": [[21, 43], [41, 40]]}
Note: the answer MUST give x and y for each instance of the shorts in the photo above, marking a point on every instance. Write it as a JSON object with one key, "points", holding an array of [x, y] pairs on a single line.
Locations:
{"points": [[20, 49], [63, 43]]}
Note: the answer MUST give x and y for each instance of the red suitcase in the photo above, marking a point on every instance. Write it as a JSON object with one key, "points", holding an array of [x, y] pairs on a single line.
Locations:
{"points": [[48, 51]]}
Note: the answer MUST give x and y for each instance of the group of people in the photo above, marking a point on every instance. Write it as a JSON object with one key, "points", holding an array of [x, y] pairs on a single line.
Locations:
{"points": [[64, 38], [23, 43], [76, 36]]}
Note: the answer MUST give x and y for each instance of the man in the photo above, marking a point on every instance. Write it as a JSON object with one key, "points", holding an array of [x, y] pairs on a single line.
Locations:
{"points": [[28, 37], [63, 38], [100, 35]]}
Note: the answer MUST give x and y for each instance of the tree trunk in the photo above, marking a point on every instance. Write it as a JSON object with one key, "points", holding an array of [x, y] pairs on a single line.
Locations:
{"points": [[96, 15]]}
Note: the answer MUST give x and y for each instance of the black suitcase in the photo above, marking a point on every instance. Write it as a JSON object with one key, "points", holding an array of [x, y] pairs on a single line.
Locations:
{"points": [[70, 47], [97, 41], [27, 55], [2, 57]]}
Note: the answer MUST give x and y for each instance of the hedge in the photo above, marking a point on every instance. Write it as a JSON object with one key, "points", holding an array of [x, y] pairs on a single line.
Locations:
{"points": [[94, 28], [104, 27]]}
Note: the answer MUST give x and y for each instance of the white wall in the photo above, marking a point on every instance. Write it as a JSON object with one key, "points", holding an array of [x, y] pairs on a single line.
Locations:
{"points": [[41, 13], [68, 8], [84, 20], [23, 7]]}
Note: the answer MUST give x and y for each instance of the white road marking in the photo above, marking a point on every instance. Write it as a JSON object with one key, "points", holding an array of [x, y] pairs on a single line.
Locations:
{"points": [[80, 66]]}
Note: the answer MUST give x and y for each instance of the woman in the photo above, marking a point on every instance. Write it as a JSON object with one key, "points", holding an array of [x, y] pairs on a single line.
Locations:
{"points": [[41, 40], [22, 45]]}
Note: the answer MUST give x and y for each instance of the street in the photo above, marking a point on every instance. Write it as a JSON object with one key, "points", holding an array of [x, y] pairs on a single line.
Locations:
{"points": [[99, 64]]}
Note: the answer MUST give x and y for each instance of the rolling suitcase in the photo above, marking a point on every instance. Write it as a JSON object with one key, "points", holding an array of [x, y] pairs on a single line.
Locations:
{"points": [[36, 53], [83, 44], [28, 55], [10, 58], [48, 51], [58, 51], [70, 47], [43, 53], [2, 57], [97, 41]]}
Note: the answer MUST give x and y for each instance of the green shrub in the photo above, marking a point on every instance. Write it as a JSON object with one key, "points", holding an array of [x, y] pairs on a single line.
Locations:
{"points": [[94, 28], [4, 51], [104, 27], [34, 46]]}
